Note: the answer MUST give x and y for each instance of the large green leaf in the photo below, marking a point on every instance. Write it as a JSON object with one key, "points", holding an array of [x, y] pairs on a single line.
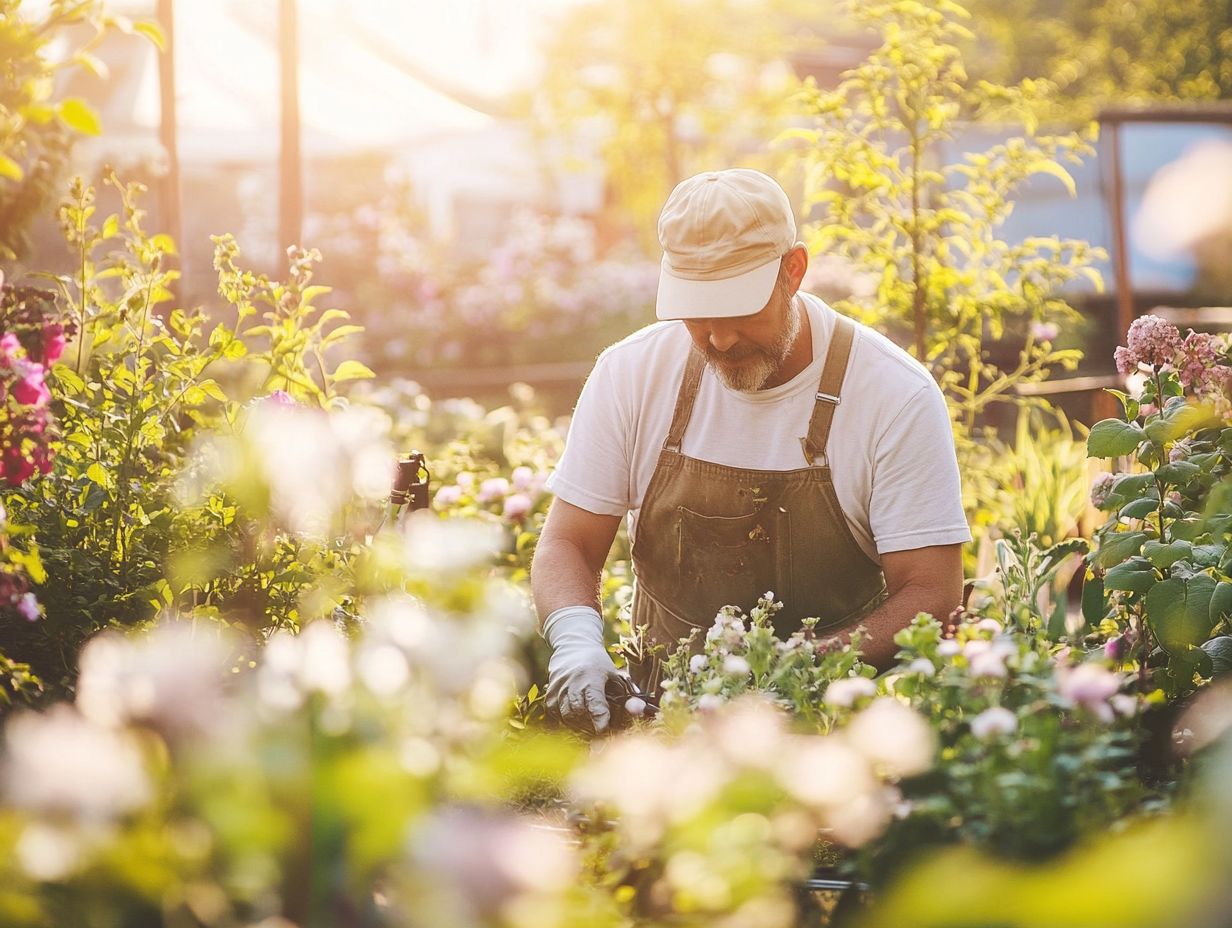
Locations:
{"points": [[1220, 651], [1221, 602], [1162, 555], [1118, 546], [1179, 611], [1112, 438], [1139, 508], [1094, 608], [1133, 576], [352, 370]]}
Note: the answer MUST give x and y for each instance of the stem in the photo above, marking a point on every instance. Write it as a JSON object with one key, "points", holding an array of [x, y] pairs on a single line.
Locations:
{"points": [[81, 331]]}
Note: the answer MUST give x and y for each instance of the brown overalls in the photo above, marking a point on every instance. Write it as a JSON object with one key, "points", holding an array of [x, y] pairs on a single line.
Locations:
{"points": [[710, 535]]}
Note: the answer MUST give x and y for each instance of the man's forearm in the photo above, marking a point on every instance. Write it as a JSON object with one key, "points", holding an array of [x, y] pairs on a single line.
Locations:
{"points": [[895, 614], [561, 577]]}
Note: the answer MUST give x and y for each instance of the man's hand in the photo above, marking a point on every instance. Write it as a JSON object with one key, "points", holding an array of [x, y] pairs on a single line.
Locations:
{"points": [[579, 669]]}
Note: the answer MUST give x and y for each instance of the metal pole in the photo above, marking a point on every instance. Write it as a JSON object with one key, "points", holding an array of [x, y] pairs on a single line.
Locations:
{"points": [[291, 182], [169, 188], [1125, 296]]}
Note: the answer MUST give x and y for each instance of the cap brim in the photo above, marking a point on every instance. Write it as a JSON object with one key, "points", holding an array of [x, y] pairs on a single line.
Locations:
{"points": [[743, 295]]}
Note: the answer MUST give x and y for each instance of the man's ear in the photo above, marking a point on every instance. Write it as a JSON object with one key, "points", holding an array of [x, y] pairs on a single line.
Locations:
{"points": [[796, 262]]}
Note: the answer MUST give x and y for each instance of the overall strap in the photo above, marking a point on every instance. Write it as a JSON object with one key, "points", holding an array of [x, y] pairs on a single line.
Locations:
{"points": [[828, 389], [693, 371]]}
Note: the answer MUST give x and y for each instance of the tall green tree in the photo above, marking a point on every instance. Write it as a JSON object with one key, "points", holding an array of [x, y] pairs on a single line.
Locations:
{"points": [[669, 88], [1100, 52], [37, 125], [929, 231]]}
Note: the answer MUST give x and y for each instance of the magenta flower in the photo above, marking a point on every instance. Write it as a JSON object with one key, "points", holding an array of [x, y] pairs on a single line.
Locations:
{"points": [[30, 389], [53, 342], [280, 398]]}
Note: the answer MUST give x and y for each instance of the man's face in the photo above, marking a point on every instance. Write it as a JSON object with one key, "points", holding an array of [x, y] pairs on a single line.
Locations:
{"points": [[746, 351]]}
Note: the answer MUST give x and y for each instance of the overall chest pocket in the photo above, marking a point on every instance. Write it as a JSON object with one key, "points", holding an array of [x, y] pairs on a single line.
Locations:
{"points": [[732, 560]]}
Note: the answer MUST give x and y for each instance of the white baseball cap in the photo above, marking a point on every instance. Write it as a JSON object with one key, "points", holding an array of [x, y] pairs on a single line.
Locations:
{"points": [[723, 233]]}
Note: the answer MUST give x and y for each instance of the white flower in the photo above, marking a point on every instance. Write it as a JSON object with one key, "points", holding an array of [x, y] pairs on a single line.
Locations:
{"points": [[635, 706], [922, 666], [993, 722], [989, 625], [170, 677], [948, 647], [59, 762], [824, 771], [844, 693], [709, 702], [893, 737], [736, 666], [697, 663], [1124, 704]]}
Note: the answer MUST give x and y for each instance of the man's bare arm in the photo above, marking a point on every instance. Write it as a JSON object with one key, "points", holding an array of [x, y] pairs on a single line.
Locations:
{"points": [[569, 558], [921, 580]]}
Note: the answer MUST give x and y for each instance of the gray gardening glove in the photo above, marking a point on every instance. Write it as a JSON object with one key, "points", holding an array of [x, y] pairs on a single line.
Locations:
{"points": [[579, 668]]}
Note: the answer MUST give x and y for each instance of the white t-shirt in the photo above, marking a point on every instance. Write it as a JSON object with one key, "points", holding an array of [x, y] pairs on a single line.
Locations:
{"points": [[891, 450]]}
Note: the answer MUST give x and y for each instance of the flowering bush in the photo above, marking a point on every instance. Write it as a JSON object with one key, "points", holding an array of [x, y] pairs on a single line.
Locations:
{"points": [[1162, 567], [543, 291], [741, 654]]}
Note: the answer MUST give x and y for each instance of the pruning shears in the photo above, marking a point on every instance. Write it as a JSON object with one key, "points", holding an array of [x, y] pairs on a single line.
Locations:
{"points": [[619, 691]]}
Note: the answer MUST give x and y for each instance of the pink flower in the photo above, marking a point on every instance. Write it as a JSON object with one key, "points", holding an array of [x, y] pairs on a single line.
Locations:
{"points": [[53, 342], [448, 496], [1090, 686], [993, 722], [280, 398], [1199, 354], [1152, 341], [1044, 331], [29, 607], [9, 346], [517, 507], [522, 478], [1101, 488], [492, 489], [30, 389]]}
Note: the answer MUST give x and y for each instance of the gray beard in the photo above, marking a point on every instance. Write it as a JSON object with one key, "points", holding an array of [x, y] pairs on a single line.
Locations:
{"points": [[750, 376]]}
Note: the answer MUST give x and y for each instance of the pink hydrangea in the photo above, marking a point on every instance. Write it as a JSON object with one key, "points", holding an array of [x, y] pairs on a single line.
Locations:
{"points": [[1101, 489], [280, 398], [522, 477], [1199, 355], [1151, 341]]}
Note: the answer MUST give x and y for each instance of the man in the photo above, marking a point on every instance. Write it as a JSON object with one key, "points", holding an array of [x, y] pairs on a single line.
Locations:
{"points": [[759, 442]]}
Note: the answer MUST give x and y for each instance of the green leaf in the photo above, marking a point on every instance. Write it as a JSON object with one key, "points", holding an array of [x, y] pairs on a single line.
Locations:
{"points": [[212, 389], [79, 116], [99, 475], [1139, 508], [1179, 611], [153, 32], [340, 333], [1112, 438], [1094, 607], [1221, 602], [10, 168], [1220, 652], [1129, 405], [1162, 555], [352, 370], [1178, 472], [1133, 576], [1118, 546]]}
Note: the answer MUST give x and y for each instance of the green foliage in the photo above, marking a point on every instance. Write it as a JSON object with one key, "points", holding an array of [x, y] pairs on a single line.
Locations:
{"points": [[672, 87], [1164, 550], [137, 391], [927, 231], [1110, 51], [37, 125], [794, 673]]}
